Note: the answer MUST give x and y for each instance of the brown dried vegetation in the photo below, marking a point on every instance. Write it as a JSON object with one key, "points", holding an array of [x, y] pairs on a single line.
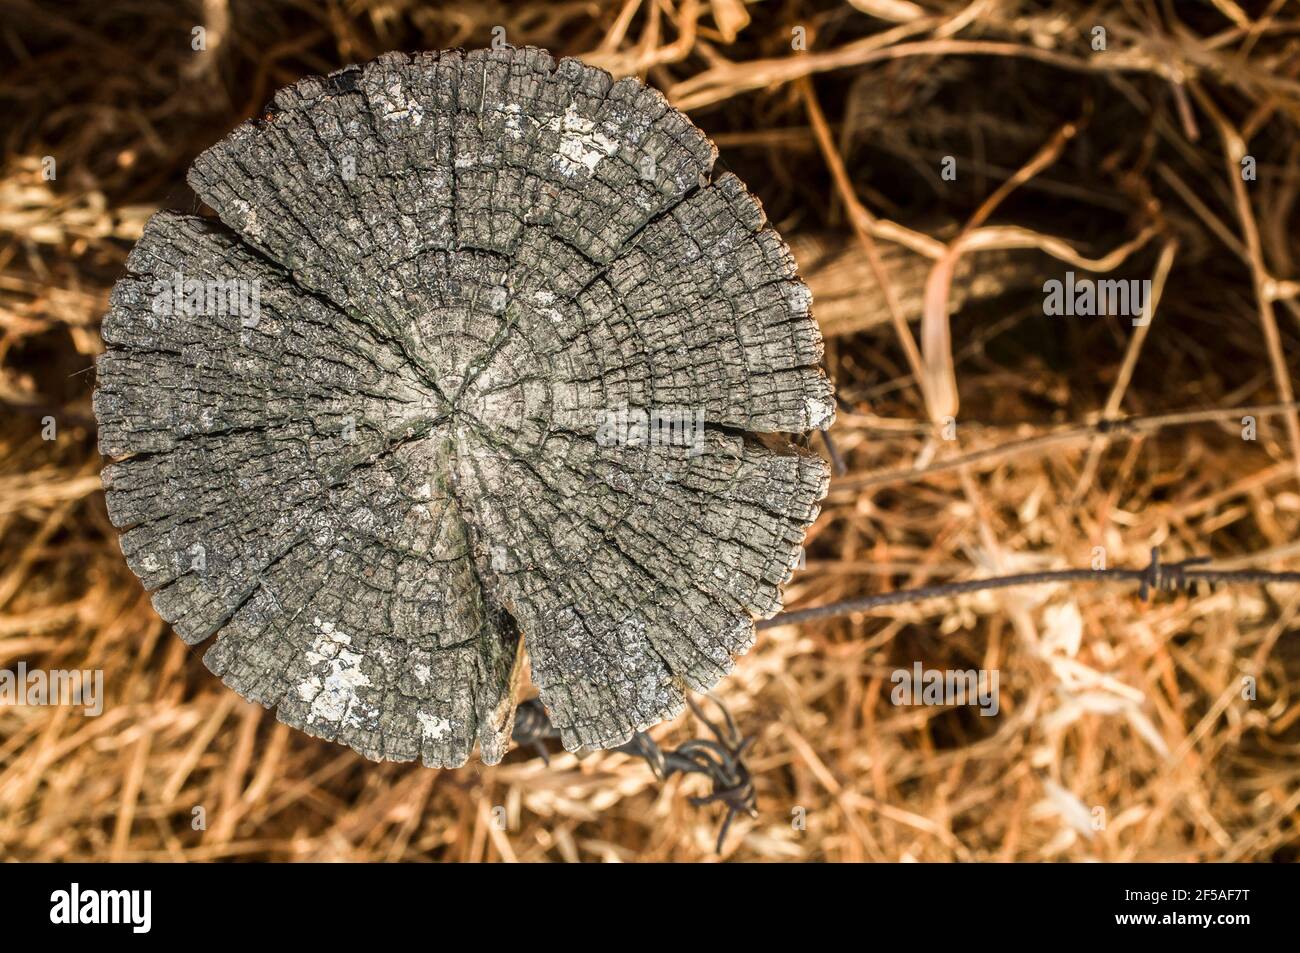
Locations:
{"points": [[1126, 161]]}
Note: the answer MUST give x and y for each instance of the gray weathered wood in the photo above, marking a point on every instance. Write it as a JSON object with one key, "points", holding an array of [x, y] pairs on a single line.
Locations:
{"points": [[376, 486]]}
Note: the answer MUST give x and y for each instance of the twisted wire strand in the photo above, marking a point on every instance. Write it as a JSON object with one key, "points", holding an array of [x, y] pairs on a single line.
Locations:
{"points": [[1156, 577]]}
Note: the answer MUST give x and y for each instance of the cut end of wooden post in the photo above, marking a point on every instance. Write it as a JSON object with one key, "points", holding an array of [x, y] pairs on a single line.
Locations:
{"points": [[474, 355]]}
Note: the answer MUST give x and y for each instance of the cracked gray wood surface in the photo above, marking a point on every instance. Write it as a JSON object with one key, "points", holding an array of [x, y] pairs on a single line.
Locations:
{"points": [[377, 487]]}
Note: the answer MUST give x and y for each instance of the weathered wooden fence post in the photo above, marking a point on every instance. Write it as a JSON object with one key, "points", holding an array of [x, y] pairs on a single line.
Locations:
{"points": [[475, 355]]}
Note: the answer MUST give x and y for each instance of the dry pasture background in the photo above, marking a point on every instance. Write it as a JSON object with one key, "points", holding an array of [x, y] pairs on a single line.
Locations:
{"points": [[1125, 160]]}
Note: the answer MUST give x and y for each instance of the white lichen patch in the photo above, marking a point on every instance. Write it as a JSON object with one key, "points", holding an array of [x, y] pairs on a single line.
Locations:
{"points": [[799, 298], [820, 410], [515, 120], [249, 216], [336, 675], [396, 107], [544, 302], [581, 143], [432, 727]]}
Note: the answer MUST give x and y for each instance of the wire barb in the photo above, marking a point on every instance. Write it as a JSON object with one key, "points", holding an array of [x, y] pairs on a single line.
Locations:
{"points": [[720, 759], [1171, 577]]}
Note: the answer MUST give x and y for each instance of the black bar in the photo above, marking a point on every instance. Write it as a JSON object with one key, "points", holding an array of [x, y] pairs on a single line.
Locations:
{"points": [[909, 902]]}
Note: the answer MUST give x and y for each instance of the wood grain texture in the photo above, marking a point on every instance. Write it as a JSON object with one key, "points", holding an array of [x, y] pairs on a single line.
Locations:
{"points": [[376, 486]]}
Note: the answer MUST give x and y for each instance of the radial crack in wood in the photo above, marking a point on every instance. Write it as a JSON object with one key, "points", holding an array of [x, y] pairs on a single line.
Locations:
{"points": [[475, 353]]}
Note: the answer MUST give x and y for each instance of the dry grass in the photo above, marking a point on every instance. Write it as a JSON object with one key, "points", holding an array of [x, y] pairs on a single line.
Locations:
{"points": [[1125, 160]]}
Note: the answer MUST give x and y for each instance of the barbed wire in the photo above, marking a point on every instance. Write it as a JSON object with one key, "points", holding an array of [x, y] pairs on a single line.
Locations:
{"points": [[721, 759], [1155, 577]]}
